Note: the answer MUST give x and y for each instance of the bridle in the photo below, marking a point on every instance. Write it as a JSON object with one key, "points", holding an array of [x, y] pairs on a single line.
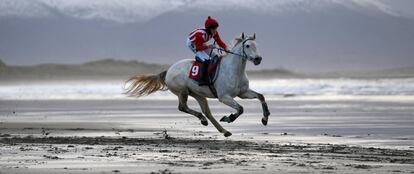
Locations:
{"points": [[244, 55]]}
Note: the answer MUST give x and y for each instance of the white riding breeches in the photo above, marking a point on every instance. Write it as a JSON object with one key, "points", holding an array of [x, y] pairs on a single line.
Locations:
{"points": [[203, 55]]}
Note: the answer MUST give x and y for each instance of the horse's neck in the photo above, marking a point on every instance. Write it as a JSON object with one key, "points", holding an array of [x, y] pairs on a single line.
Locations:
{"points": [[233, 65]]}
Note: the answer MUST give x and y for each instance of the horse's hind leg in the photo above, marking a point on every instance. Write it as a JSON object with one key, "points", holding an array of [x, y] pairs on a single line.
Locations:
{"points": [[250, 94], [182, 106], [206, 110], [229, 101]]}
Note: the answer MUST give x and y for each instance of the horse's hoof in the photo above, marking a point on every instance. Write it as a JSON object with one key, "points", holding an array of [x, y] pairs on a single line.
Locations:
{"points": [[225, 119], [204, 122], [264, 121], [227, 134]]}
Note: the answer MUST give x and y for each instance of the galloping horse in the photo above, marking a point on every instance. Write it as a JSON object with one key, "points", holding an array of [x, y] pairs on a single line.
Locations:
{"points": [[231, 82]]}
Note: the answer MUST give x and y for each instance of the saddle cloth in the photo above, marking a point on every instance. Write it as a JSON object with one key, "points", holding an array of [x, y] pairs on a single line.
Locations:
{"points": [[195, 70]]}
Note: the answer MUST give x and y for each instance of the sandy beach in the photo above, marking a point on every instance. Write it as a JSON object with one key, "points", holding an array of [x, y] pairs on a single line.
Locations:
{"points": [[152, 136]]}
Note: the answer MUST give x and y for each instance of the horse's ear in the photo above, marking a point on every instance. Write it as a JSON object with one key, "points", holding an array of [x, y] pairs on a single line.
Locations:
{"points": [[254, 36], [242, 36]]}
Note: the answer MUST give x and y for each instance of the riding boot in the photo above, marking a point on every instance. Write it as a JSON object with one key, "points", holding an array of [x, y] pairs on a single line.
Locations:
{"points": [[205, 79]]}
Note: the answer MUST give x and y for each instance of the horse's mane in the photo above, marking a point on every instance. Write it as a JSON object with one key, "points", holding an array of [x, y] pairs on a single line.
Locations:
{"points": [[237, 41]]}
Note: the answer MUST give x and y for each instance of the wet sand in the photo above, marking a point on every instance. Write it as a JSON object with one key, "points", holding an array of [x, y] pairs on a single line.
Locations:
{"points": [[152, 136]]}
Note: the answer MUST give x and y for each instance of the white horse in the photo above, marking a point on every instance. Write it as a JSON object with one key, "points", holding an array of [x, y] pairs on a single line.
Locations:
{"points": [[231, 82]]}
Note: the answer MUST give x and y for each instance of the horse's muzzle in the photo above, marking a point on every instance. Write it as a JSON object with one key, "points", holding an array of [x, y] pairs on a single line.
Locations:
{"points": [[257, 60]]}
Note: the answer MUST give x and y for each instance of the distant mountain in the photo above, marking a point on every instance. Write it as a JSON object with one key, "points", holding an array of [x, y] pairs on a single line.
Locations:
{"points": [[101, 69], [394, 72], [316, 35], [405, 72], [274, 73], [111, 69]]}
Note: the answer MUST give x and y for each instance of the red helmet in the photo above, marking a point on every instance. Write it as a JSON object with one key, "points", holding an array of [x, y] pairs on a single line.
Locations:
{"points": [[210, 23]]}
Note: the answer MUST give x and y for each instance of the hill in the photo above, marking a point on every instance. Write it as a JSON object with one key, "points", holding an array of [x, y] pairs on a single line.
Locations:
{"points": [[101, 69], [320, 35], [111, 69], [404, 72]]}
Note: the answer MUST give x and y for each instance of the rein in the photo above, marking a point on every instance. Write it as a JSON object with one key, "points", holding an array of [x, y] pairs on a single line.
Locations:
{"points": [[244, 56]]}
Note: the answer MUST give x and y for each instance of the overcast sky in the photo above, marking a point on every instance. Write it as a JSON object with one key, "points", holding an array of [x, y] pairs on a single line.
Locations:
{"points": [[304, 35]]}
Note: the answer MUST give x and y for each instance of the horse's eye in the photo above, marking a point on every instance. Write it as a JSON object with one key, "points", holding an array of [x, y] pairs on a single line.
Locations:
{"points": [[247, 46]]}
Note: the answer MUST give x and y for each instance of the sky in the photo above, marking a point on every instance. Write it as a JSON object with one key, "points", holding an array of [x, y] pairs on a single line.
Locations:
{"points": [[302, 35]]}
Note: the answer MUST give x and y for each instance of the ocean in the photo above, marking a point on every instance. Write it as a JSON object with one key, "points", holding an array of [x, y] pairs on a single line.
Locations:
{"points": [[393, 89]]}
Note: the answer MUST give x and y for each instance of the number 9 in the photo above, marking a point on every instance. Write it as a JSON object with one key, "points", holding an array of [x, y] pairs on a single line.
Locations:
{"points": [[194, 70]]}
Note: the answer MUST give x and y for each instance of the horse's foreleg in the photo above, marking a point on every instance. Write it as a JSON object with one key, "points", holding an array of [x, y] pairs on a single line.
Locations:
{"points": [[229, 101], [250, 94], [182, 106], [202, 101]]}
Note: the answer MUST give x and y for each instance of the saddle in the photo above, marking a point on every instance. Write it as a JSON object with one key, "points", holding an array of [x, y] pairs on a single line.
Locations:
{"points": [[196, 71]]}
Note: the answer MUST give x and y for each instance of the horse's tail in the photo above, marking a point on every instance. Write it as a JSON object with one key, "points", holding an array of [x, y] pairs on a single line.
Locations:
{"points": [[141, 85]]}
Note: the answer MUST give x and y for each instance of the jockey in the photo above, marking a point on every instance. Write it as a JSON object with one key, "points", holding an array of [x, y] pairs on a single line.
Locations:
{"points": [[197, 40]]}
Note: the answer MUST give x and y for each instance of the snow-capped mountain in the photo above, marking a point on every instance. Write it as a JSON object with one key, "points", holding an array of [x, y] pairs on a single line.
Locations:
{"points": [[300, 34]]}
